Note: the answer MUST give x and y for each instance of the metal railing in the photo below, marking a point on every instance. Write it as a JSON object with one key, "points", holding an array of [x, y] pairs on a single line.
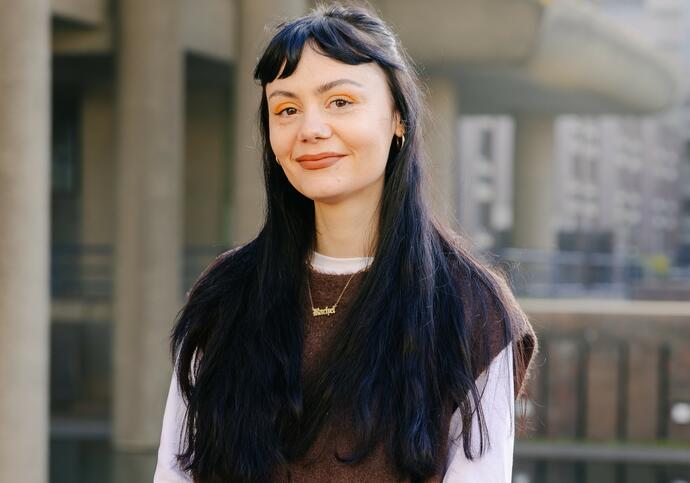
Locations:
{"points": [[79, 271], [86, 272], [559, 274]]}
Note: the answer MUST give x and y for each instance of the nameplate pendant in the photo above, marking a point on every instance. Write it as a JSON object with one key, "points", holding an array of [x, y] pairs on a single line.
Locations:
{"points": [[317, 311]]}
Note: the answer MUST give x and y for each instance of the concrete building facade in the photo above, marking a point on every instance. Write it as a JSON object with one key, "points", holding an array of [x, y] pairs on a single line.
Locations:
{"points": [[486, 150]]}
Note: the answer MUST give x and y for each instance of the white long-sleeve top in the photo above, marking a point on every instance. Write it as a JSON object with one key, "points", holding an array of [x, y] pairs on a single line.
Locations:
{"points": [[495, 383]]}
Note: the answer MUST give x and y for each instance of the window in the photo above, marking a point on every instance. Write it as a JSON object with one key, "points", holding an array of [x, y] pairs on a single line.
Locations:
{"points": [[65, 144]]}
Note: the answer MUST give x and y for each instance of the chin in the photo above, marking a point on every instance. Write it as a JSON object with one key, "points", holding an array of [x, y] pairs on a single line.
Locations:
{"points": [[321, 190], [324, 195], [329, 198]]}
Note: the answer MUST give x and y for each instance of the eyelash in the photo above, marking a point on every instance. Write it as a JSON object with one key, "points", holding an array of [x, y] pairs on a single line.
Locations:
{"points": [[347, 101]]}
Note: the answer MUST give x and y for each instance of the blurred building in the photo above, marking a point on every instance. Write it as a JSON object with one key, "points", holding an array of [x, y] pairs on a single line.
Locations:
{"points": [[485, 171], [129, 159], [625, 176], [620, 182]]}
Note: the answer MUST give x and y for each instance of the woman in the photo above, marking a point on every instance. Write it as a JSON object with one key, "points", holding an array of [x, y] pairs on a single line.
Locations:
{"points": [[354, 338]]}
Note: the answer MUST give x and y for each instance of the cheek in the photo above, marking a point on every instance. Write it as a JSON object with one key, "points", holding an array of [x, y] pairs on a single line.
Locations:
{"points": [[371, 141], [279, 143]]}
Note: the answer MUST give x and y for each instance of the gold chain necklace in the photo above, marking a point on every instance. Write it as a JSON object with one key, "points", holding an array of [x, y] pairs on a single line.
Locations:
{"points": [[318, 311]]}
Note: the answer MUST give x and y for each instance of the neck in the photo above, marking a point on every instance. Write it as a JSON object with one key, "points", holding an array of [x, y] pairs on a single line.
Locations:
{"points": [[346, 229]]}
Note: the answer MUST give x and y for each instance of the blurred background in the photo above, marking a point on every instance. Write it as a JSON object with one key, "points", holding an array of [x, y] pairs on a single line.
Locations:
{"points": [[129, 159]]}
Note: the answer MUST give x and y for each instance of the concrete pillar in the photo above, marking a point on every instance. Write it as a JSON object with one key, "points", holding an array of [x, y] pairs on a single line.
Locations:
{"points": [[148, 290], [535, 212], [24, 239], [248, 201], [443, 148]]}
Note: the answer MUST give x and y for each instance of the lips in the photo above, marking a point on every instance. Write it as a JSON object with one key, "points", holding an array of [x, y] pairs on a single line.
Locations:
{"points": [[319, 161]]}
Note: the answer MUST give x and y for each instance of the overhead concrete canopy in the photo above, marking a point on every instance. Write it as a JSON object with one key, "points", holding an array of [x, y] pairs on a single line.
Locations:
{"points": [[505, 55], [531, 55], [86, 12], [85, 27]]}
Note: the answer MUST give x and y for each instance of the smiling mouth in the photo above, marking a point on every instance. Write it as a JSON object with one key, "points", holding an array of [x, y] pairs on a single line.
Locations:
{"points": [[320, 163]]}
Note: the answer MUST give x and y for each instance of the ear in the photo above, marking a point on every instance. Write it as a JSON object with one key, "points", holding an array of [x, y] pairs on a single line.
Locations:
{"points": [[399, 127]]}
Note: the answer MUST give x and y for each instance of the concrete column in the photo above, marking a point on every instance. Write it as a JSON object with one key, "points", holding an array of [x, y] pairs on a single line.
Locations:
{"points": [[24, 239], [534, 178], [148, 290], [248, 201], [442, 145]]}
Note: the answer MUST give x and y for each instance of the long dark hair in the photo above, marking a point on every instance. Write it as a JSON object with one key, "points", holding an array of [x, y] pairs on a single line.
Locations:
{"points": [[412, 339]]}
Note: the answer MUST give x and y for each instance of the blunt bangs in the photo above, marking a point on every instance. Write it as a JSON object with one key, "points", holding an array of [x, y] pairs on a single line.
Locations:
{"points": [[327, 34]]}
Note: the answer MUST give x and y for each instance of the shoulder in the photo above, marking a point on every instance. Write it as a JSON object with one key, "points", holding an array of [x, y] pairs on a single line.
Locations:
{"points": [[232, 255], [495, 321], [228, 265]]}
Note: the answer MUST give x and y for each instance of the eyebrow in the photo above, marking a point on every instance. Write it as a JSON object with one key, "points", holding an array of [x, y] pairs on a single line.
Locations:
{"points": [[319, 90]]}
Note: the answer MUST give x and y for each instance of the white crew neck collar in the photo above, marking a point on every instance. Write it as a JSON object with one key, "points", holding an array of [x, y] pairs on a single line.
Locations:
{"points": [[336, 265]]}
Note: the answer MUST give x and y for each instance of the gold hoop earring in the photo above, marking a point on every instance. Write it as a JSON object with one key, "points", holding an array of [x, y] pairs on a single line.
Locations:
{"points": [[400, 141]]}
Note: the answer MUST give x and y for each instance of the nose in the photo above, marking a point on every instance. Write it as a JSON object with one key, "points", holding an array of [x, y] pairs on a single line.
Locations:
{"points": [[314, 126]]}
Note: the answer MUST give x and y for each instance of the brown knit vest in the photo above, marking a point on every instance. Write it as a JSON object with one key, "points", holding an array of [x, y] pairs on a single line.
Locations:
{"points": [[320, 464]]}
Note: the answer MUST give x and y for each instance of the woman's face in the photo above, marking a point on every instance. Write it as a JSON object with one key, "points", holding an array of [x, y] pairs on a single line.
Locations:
{"points": [[331, 125]]}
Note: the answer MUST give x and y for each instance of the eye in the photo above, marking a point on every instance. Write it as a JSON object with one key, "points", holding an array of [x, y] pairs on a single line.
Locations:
{"points": [[341, 102], [288, 111]]}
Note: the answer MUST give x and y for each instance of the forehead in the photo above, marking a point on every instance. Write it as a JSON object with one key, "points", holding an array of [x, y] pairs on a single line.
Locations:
{"points": [[315, 68]]}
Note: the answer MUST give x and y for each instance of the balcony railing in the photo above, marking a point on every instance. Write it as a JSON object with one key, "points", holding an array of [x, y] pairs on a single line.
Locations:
{"points": [[79, 271], [610, 372], [86, 272], [562, 274]]}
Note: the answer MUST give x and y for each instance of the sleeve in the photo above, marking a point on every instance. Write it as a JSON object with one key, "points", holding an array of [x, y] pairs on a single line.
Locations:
{"points": [[495, 466], [167, 470]]}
